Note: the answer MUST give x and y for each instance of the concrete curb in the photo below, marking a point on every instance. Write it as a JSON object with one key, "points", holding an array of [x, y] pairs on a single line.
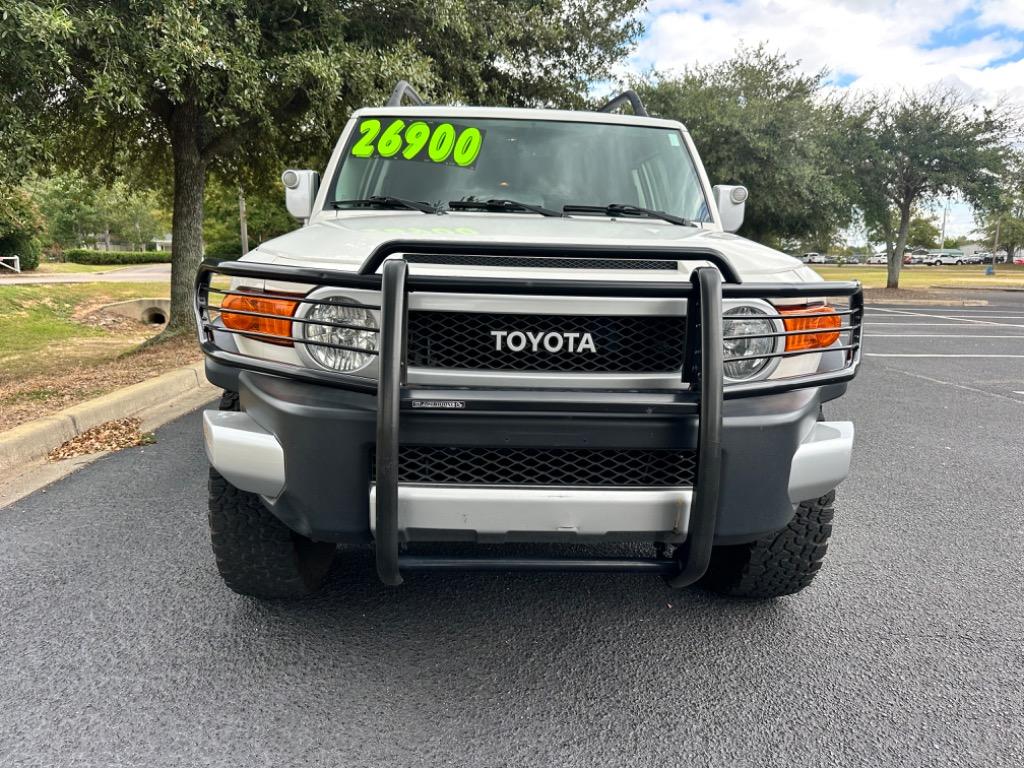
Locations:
{"points": [[37, 438]]}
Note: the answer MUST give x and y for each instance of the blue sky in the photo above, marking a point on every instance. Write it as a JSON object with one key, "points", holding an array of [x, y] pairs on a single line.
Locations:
{"points": [[976, 46]]}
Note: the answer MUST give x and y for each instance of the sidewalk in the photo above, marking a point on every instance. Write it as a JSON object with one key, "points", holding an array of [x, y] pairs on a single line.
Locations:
{"points": [[141, 273]]}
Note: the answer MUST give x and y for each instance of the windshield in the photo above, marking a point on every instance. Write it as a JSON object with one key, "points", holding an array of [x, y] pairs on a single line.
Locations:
{"points": [[537, 162]]}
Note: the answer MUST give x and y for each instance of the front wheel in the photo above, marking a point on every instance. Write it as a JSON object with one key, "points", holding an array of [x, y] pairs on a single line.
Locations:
{"points": [[257, 554], [778, 564]]}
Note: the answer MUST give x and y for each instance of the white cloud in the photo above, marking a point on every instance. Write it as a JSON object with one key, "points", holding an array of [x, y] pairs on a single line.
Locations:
{"points": [[883, 45], [876, 44]]}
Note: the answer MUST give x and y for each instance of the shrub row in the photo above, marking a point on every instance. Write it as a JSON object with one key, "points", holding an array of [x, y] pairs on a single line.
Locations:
{"points": [[87, 256], [224, 249]]}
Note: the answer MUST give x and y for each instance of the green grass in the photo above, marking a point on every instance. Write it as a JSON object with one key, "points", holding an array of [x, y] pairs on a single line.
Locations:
{"points": [[38, 331], [920, 276]]}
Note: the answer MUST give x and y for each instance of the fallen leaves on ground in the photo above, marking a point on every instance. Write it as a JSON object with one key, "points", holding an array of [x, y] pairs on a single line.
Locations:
{"points": [[109, 436], [30, 397]]}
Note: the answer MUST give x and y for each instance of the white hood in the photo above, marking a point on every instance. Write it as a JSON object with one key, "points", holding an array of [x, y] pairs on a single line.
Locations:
{"points": [[344, 240]]}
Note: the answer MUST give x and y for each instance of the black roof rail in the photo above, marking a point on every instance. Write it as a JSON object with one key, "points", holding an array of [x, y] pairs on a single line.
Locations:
{"points": [[403, 89], [628, 95]]}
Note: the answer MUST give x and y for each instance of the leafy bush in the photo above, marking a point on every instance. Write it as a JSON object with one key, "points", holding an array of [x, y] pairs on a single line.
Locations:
{"points": [[224, 249], [20, 223], [25, 247], [86, 256]]}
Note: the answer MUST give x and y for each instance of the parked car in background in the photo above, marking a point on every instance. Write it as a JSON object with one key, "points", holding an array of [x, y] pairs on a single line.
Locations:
{"points": [[814, 258], [878, 258], [945, 256], [974, 258], [1018, 260]]}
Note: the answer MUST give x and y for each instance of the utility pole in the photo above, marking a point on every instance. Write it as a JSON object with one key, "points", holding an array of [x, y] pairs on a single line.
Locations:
{"points": [[995, 244], [945, 211], [243, 223]]}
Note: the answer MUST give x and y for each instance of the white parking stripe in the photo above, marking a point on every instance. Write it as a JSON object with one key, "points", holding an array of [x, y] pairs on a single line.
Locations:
{"points": [[922, 354], [900, 324], [904, 313], [958, 310], [953, 384]]}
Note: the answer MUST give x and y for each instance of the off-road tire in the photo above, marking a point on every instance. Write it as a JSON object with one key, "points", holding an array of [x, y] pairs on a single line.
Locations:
{"points": [[776, 565], [256, 553]]}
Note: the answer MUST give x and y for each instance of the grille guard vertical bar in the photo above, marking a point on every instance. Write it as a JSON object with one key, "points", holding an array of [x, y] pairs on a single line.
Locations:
{"points": [[389, 389], [710, 377]]}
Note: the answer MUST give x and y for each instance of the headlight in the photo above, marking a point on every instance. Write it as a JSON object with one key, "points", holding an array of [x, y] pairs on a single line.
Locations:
{"points": [[752, 322], [352, 330]]}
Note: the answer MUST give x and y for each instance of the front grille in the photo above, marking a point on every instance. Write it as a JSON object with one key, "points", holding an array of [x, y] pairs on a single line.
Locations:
{"points": [[578, 467], [622, 344], [543, 262]]}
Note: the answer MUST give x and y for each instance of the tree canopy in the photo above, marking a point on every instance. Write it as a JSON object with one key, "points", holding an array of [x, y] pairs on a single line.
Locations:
{"points": [[758, 121], [921, 146], [186, 88]]}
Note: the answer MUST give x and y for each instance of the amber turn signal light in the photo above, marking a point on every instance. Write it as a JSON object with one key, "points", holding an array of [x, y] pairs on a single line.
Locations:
{"points": [[817, 327], [279, 324]]}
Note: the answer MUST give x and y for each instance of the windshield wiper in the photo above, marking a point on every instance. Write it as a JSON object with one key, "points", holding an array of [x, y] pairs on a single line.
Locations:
{"points": [[624, 209], [501, 204], [387, 201]]}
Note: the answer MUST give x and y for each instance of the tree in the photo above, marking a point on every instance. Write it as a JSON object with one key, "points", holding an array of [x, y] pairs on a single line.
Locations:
{"points": [[77, 210], [32, 38], [923, 233], [20, 223], [265, 212], [1006, 208], [921, 146], [67, 202], [759, 121], [233, 87]]}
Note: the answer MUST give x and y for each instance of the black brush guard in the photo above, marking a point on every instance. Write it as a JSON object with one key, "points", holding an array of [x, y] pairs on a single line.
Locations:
{"points": [[387, 272]]}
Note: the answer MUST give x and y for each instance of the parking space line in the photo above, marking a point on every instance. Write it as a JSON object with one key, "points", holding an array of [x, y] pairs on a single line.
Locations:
{"points": [[900, 324], [904, 313], [958, 310], [959, 386], [928, 354]]}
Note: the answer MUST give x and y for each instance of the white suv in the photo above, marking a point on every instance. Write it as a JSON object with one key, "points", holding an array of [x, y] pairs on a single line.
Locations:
{"points": [[511, 325]]}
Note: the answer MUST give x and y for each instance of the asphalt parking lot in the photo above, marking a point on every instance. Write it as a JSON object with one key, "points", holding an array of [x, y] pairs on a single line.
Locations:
{"points": [[120, 646]]}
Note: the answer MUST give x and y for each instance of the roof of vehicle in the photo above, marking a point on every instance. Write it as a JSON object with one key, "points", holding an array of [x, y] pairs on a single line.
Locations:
{"points": [[517, 113]]}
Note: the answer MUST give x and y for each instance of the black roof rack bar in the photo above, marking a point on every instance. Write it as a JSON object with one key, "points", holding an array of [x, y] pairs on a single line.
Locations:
{"points": [[403, 89], [628, 95]]}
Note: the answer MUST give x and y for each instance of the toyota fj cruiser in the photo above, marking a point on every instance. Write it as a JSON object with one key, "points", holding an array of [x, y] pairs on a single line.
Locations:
{"points": [[533, 326]]}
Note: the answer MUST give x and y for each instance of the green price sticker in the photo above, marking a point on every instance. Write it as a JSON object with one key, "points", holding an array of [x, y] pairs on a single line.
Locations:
{"points": [[444, 143]]}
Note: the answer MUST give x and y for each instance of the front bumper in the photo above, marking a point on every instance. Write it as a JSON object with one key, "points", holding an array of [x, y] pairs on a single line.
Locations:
{"points": [[758, 445], [306, 449]]}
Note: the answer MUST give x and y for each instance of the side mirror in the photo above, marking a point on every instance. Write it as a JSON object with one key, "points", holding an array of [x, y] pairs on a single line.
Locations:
{"points": [[300, 188], [731, 202]]}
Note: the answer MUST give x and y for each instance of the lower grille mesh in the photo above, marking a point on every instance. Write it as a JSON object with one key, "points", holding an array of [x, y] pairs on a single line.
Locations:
{"points": [[586, 467]]}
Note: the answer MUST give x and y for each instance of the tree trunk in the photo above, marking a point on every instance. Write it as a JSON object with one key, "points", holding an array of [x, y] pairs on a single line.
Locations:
{"points": [[896, 259], [187, 216]]}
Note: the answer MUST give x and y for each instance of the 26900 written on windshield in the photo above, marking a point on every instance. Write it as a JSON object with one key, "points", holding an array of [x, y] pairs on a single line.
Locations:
{"points": [[418, 140]]}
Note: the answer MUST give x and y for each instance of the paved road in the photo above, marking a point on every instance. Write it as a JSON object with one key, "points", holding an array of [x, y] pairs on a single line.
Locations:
{"points": [[119, 645], [142, 273]]}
